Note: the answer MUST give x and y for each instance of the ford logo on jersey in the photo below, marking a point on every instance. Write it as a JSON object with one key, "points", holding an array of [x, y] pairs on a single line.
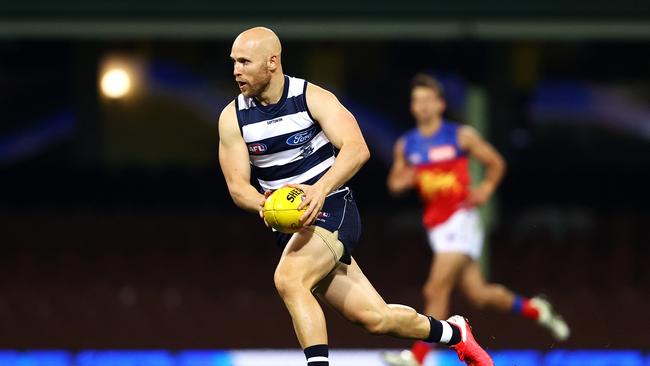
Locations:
{"points": [[300, 137], [256, 148]]}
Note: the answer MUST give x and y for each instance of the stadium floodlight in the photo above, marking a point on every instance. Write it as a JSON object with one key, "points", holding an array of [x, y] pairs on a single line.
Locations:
{"points": [[115, 83]]}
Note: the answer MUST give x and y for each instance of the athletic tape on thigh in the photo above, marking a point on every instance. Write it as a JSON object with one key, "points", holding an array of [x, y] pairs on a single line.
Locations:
{"points": [[332, 241]]}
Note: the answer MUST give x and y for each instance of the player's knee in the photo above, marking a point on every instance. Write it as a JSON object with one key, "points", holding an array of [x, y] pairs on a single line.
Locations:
{"points": [[373, 321], [285, 284], [377, 325]]}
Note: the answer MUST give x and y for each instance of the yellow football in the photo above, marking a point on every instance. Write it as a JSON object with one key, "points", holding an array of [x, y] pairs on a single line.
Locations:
{"points": [[281, 209]]}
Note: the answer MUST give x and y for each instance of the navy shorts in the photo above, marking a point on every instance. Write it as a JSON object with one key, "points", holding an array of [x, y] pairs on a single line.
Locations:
{"points": [[339, 213]]}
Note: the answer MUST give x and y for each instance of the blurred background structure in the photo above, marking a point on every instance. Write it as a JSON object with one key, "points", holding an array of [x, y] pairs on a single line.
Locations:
{"points": [[117, 231]]}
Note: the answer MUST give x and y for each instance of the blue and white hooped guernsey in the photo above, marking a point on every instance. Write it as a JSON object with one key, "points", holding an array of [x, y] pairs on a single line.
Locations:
{"points": [[285, 144]]}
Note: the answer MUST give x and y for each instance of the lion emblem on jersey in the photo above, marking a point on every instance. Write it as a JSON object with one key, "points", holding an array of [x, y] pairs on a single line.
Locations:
{"points": [[434, 183]]}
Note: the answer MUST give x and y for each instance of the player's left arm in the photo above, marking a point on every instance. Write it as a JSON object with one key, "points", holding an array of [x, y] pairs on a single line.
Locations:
{"points": [[472, 142], [342, 130]]}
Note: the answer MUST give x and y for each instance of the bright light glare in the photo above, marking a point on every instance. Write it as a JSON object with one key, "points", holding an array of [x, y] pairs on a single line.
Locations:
{"points": [[116, 83]]}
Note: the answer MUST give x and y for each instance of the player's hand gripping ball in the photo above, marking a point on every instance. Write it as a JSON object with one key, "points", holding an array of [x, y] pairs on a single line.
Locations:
{"points": [[281, 209]]}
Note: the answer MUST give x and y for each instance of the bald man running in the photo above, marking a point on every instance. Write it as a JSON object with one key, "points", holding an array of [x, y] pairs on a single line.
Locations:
{"points": [[284, 131]]}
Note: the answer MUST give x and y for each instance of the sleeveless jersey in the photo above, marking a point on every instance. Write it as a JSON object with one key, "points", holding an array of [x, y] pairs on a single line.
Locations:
{"points": [[285, 144], [442, 172]]}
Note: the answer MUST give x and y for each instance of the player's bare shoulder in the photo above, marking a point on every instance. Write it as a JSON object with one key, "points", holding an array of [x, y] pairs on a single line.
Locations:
{"points": [[467, 131], [228, 128], [337, 122], [468, 136], [319, 99], [316, 91], [228, 113]]}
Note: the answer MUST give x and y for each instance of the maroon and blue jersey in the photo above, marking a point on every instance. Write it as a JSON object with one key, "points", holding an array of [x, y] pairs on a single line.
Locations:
{"points": [[442, 171]]}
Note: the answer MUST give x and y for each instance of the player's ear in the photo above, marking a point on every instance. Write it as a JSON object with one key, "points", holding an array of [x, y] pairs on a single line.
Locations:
{"points": [[443, 105], [272, 62]]}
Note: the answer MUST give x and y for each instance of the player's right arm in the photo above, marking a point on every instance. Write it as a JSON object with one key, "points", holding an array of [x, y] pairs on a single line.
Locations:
{"points": [[401, 177], [234, 161]]}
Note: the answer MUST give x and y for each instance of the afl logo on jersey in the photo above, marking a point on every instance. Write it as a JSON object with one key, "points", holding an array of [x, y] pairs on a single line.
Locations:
{"points": [[256, 148], [442, 153], [300, 137]]}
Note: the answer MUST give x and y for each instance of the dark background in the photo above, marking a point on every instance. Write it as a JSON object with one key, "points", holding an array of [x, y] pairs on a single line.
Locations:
{"points": [[117, 231]]}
